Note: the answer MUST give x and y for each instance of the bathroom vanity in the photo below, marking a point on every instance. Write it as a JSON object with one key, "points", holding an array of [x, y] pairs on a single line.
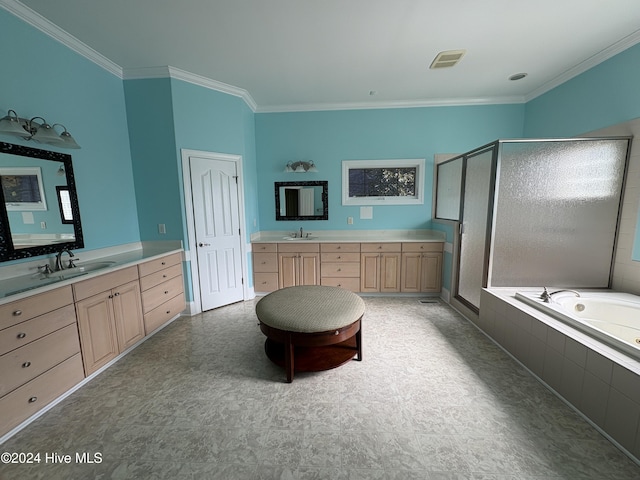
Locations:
{"points": [[55, 334], [402, 262]]}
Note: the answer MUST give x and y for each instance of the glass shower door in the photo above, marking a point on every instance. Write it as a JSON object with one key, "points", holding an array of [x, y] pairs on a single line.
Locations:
{"points": [[475, 218]]}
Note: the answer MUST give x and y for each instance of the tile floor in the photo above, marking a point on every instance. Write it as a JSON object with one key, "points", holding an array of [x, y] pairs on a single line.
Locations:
{"points": [[432, 399]]}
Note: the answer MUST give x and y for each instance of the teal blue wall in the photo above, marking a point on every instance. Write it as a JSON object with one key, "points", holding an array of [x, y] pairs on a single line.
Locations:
{"points": [[167, 116], [605, 95], [41, 77], [155, 168], [328, 137]]}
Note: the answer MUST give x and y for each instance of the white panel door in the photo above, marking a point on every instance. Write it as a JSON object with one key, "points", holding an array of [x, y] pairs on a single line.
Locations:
{"points": [[217, 231]]}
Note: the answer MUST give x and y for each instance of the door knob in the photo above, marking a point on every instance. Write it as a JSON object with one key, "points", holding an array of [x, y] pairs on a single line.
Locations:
{"points": [[204, 244]]}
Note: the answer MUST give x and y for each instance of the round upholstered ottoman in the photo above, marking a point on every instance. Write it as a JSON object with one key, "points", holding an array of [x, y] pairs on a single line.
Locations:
{"points": [[311, 328]]}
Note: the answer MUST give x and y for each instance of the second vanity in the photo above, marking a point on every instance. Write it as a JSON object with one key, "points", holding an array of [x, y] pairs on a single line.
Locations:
{"points": [[54, 336], [363, 261]]}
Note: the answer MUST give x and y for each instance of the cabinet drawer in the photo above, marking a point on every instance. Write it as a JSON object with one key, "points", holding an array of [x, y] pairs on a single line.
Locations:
{"points": [[93, 286], [25, 363], [27, 308], [380, 247], [157, 278], [352, 284], [161, 263], [265, 282], [265, 247], [298, 247], [162, 314], [339, 247], [340, 270], [26, 332], [422, 247], [340, 257], [23, 402], [265, 262], [159, 294]]}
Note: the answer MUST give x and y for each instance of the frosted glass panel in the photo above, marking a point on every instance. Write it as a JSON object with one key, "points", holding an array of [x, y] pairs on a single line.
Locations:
{"points": [[556, 212], [448, 190], [474, 223]]}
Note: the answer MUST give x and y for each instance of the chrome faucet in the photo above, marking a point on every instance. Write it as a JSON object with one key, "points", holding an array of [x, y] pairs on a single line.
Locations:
{"points": [[300, 232], [59, 265], [546, 297]]}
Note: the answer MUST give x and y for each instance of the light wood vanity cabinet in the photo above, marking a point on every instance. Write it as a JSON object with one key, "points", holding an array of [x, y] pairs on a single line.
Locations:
{"points": [[265, 267], [421, 267], [39, 354], [109, 309], [340, 265], [298, 264], [380, 265], [162, 286], [368, 267]]}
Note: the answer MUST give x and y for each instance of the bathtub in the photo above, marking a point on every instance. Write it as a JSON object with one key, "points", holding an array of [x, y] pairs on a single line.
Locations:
{"points": [[611, 317]]}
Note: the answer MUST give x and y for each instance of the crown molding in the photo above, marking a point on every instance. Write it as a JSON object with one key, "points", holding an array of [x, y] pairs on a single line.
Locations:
{"points": [[452, 102], [176, 73], [37, 21], [618, 47]]}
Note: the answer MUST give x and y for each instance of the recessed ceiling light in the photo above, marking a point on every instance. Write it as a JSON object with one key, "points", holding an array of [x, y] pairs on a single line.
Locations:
{"points": [[446, 59], [517, 76]]}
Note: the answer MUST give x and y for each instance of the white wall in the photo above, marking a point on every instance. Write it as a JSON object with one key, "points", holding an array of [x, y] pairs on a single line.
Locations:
{"points": [[626, 272]]}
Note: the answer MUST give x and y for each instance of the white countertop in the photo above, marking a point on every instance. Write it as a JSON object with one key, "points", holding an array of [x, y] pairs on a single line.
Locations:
{"points": [[22, 286], [353, 236]]}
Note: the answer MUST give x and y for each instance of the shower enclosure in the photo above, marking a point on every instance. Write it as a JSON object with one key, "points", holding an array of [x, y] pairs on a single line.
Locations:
{"points": [[534, 212]]}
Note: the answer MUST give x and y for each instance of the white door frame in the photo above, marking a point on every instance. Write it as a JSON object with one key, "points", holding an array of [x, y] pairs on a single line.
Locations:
{"points": [[196, 306]]}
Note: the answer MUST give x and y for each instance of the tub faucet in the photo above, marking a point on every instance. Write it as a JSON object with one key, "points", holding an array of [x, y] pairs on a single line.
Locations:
{"points": [[546, 297], [59, 265]]}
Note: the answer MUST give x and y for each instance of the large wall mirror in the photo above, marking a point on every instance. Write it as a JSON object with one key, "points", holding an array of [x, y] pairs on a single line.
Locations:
{"points": [[40, 213], [302, 200]]}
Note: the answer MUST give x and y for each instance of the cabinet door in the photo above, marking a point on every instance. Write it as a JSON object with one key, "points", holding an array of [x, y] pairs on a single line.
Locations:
{"points": [[370, 272], [309, 265], [287, 270], [431, 278], [390, 272], [411, 272], [127, 307], [97, 331]]}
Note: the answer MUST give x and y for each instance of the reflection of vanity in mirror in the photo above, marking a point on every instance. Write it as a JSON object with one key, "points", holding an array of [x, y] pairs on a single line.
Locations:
{"points": [[40, 214], [302, 200]]}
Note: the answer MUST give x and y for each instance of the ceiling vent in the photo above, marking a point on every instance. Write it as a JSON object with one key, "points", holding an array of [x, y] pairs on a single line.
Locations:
{"points": [[447, 58]]}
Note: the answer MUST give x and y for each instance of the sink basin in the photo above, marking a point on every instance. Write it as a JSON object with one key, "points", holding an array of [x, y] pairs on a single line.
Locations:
{"points": [[90, 267], [298, 239]]}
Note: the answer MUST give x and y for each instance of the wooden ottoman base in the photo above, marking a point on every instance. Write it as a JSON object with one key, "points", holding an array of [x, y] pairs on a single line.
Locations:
{"points": [[312, 352]]}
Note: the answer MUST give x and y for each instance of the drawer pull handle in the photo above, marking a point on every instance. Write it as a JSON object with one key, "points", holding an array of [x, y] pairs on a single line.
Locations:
{"points": [[166, 291], [168, 312], [21, 335], [110, 296], [164, 263], [17, 313], [339, 257], [116, 294], [164, 276], [26, 364], [379, 247], [33, 399], [339, 269]]}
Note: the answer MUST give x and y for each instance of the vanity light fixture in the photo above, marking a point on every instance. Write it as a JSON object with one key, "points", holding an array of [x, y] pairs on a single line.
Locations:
{"points": [[36, 129], [300, 167]]}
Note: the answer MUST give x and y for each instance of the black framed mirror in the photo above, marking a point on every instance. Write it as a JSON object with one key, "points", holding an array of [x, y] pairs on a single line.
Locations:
{"points": [[40, 212], [302, 200]]}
